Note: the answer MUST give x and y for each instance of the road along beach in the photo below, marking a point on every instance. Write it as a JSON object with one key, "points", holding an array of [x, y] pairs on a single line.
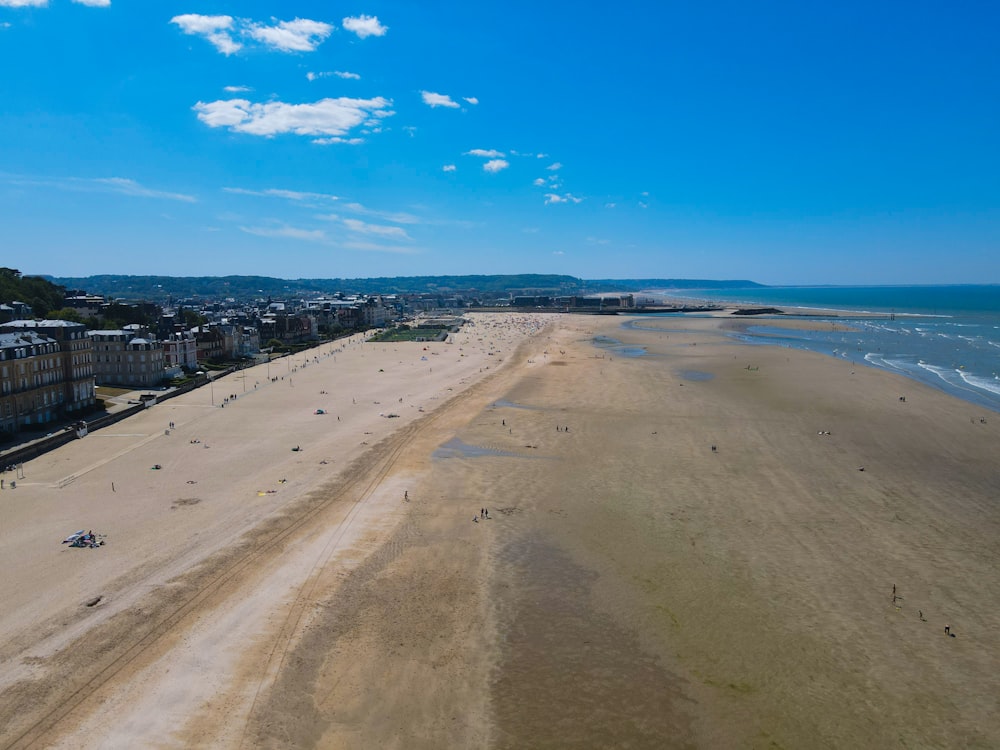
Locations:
{"points": [[682, 550]]}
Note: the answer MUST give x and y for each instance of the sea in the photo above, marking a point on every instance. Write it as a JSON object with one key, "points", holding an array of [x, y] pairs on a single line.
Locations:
{"points": [[945, 336]]}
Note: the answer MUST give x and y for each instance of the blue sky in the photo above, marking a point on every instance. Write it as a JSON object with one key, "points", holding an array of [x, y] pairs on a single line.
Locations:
{"points": [[784, 142]]}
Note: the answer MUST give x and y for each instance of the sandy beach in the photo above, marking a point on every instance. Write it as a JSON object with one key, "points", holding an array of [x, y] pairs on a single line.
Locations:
{"points": [[691, 542]]}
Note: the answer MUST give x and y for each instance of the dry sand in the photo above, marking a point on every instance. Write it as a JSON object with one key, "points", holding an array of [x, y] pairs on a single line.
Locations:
{"points": [[632, 588]]}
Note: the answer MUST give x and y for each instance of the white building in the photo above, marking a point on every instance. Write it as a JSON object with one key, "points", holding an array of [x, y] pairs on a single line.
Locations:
{"points": [[181, 350]]}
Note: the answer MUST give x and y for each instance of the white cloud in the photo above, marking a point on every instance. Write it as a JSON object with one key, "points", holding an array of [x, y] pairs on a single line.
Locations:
{"points": [[365, 26], [438, 100], [486, 153], [23, 3], [610, 205], [300, 35], [292, 195], [287, 232], [339, 73], [338, 139], [215, 29], [643, 205], [554, 167], [327, 117], [236, 89], [539, 182], [94, 3], [361, 227], [448, 168], [495, 165], [558, 252], [567, 198], [541, 156], [471, 99]]}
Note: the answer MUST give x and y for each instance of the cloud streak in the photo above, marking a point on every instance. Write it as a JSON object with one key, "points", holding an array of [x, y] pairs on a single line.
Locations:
{"points": [[361, 227], [292, 195], [287, 232], [125, 186], [119, 185]]}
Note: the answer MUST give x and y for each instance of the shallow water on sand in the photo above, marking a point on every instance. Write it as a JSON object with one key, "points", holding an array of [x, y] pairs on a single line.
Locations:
{"points": [[456, 448], [569, 676], [617, 347]]}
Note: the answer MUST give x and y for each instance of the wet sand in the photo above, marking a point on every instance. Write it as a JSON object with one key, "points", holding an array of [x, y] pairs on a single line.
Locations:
{"points": [[633, 587]]}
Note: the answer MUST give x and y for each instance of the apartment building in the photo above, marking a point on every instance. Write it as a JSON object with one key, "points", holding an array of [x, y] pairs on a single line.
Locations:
{"points": [[126, 359], [46, 372]]}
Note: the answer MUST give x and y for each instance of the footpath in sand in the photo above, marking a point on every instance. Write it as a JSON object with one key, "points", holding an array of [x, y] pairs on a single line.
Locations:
{"points": [[682, 550]]}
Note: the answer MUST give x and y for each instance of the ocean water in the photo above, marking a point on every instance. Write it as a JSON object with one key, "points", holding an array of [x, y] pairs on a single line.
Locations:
{"points": [[945, 336]]}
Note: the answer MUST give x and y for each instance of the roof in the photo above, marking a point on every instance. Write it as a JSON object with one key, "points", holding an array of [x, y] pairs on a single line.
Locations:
{"points": [[22, 339], [41, 324]]}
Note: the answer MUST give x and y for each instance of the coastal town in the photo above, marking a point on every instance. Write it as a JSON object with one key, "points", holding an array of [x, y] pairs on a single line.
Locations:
{"points": [[66, 366]]}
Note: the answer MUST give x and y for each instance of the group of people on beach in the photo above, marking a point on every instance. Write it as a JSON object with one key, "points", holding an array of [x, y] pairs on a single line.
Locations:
{"points": [[920, 613], [84, 539], [484, 513]]}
